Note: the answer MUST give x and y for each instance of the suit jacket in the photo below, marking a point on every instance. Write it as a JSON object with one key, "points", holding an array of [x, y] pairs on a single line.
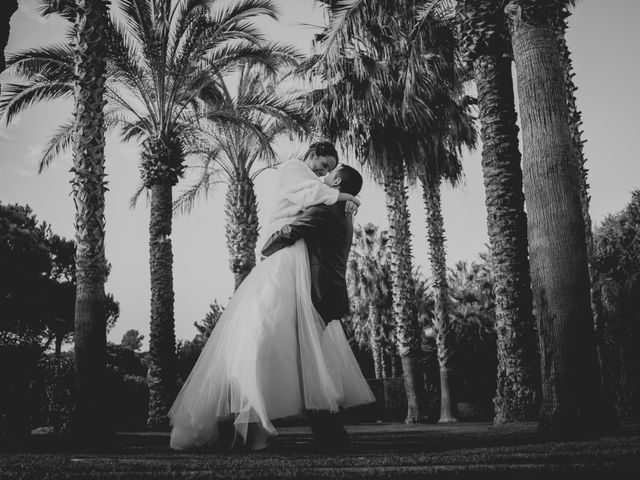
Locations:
{"points": [[328, 232]]}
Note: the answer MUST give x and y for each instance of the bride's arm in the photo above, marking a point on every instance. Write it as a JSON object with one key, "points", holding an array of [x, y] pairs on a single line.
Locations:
{"points": [[303, 188]]}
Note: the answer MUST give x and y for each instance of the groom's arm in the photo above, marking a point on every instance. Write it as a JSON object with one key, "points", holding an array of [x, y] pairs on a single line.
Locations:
{"points": [[310, 222]]}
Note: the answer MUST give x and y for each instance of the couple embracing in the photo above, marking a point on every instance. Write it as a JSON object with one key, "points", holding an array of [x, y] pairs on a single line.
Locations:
{"points": [[279, 350]]}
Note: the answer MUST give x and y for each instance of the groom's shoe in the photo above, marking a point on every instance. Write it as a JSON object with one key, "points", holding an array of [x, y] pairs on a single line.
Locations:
{"points": [[329, 435]]}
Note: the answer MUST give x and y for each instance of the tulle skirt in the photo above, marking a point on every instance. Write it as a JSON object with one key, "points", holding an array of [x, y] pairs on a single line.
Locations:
{"points": [[270, 356]]}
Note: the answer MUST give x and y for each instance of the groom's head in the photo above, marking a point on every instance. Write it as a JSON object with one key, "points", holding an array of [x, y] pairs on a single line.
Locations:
{"points": [[344, 178]]}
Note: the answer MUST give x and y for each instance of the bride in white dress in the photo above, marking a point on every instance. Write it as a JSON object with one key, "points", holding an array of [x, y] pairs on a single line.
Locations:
{"points": [[271, 356]]}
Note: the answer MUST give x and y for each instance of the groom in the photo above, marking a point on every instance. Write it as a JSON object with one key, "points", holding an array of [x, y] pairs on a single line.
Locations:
{"points": [[327, 231]]}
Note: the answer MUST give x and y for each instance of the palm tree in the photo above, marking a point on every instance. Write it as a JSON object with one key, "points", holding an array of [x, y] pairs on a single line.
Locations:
{"points": [[473, 310], [434, 36], [368, 277], [232, 154], [386, 96], [165, 62], [575, 126], [359, 78], [572, 391], [485, 43], [88, 185]]}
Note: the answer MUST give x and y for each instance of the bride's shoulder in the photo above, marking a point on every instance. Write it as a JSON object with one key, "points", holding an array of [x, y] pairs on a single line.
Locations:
{"points": [[296, 169], [291, 164]]}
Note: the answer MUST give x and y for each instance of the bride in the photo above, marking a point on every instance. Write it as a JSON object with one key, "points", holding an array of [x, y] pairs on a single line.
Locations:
{"points": [[270, 356]]}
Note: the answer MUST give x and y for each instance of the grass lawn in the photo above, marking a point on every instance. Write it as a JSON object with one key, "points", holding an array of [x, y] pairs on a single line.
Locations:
{"points": [[464, 450]]}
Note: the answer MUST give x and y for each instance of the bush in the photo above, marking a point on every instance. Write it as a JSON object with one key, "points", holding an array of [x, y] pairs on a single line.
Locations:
{"points": [[18, 364], [54, 387]]}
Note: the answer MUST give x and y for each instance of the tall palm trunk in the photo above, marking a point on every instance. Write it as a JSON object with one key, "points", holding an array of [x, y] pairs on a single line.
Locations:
{"points": [[162, 369], [572, 392], [242, 227], [7, 9], [518, 377], [407, 328], [58, 349], [485, 43], [161, 160], [90, 418], [442, 321], [374, 341], [575, 127]]}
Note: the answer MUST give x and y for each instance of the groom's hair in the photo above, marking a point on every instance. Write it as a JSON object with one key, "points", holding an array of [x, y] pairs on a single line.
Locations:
{"points": [[350, 179], [322, 149]]}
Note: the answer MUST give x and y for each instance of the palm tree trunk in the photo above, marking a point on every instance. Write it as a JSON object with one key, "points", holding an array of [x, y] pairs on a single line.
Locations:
{"points": [[407, 328], [572, 391], [442, 321], [395, 370], [162, 340], [90, 421], [374, 341], [384, 363], [242, 227], [518, 376], [7, 9], [58, 349], [575, 127]]}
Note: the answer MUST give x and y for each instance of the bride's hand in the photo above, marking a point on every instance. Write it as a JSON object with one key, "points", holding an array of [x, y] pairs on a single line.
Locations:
{"points": [[351, 207], [352, 203]]}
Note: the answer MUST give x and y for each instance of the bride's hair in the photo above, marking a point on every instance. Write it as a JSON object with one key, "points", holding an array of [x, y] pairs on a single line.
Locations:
{"points": [[350, 179], [322, 149]]}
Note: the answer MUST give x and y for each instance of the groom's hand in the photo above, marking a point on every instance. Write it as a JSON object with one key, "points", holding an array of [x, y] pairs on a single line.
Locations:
{"points": [[313, 220], [280, 239]]}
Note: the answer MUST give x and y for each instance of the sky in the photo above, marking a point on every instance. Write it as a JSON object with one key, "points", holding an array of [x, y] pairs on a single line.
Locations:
{"points": [[602, 37]]}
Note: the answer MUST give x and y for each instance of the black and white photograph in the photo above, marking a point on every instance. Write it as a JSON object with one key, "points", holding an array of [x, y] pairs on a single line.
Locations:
{"points": [[319, 239]]}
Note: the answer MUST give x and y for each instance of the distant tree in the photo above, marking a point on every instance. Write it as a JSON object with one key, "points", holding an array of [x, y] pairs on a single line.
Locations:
{"points": [[132, 340], [188, 351], [369, 284], [617, 264], [38, 280], [473, 311], [24, 267], [207, 324]]}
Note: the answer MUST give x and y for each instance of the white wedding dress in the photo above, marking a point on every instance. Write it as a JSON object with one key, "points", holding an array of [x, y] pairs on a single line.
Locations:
{"points": [[270, 356]]}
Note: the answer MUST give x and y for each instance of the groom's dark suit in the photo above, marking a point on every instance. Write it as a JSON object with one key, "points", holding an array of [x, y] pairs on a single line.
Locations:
{"points": [[327, 231]]}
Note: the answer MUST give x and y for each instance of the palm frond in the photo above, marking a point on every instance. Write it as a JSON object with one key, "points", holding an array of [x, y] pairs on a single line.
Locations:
{"points": [[187, 200], [55, 63], [18, 97], [64, 8], [59, 142]]}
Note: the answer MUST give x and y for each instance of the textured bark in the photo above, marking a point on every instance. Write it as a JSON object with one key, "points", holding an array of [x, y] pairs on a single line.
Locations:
{"points": [[406, 321], [384, 368], [374, 341], [90, 421], [486, 46], [161, 167], [58, 349], [445, 343], [575, 127], [518, 376], [7, 9], [162, 341], [572, 393], [242, 227]]}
